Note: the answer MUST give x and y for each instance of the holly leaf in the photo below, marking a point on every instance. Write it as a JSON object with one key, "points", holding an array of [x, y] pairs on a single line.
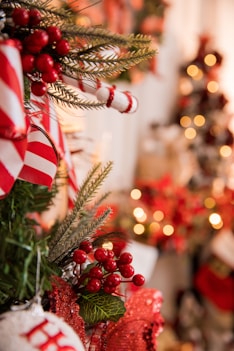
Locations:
{"points": [[100, 307]]}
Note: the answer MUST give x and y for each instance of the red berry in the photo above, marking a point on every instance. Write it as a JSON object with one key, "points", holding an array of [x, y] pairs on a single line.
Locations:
{"points": [[28, 63], [50, 77], [34, 17], [109, 289], [112, 280], [20, 16], [32, 48], [96, 272], [58, 68], [125, 258], [138, 279], [118, 247], [126, 270], [110, 265], [101, 254], [111, 254], [79, 256], [62, 47], [54, 33], [93, 285], [39, 38], [44, 62], [85, 245], [38, 88]]}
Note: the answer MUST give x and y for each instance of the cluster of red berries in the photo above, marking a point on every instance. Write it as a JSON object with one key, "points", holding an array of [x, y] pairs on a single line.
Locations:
{"points": [[40, 49], [107, 270]]}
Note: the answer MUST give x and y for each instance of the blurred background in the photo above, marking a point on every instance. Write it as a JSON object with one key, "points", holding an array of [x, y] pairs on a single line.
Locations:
{"points": [[172, 184]]}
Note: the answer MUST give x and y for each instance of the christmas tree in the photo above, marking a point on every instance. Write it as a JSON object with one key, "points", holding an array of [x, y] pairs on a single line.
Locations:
{"points": [[62, 265]]}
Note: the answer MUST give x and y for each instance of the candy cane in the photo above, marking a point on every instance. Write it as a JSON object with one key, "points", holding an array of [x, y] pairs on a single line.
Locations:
{"points": [[122, 101], [86, 85]]}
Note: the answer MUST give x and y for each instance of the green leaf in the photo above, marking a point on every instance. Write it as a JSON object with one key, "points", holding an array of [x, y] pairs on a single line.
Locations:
{"points": [[100, 307]]}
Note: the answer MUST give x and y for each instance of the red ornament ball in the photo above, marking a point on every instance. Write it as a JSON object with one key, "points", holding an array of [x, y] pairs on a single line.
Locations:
{"points": [[20, 16], [38, 88]]}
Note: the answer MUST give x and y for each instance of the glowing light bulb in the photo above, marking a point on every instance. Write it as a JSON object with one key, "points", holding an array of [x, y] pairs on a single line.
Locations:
{"points": [[215, 218], [108, 245], [158, 215], [199, 120], [190, 133], [192, 70], [213, 86], [210, 60], [185, 121], [135, 194], [168, 230], [138, 212], [209, 202], [138, 229], [225, 151]]}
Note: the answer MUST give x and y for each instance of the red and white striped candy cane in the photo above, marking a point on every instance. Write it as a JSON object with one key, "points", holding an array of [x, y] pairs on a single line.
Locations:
{"points": [[84, 84], [122, 101]]}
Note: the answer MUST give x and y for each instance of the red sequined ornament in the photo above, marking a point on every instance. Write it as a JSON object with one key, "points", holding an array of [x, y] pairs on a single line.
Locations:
{"points": [[137, 329], [63, 304]]}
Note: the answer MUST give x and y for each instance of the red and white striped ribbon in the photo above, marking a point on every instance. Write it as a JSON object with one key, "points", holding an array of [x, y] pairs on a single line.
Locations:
{"points": [[11, 162], [41, 159], [13, 126], [49, 119], [12, 114]]}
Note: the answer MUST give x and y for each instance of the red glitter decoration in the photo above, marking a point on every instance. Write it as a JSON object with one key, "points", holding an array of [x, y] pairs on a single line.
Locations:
{"points": [[63, 304], [140, 325]]}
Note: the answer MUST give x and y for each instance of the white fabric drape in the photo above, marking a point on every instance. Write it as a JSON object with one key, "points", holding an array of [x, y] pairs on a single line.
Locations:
{"points": [[114, 136]]}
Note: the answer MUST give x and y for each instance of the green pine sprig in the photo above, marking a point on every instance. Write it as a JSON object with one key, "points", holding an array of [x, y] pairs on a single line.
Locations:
{"points": [[79, 224], [64, 95]]}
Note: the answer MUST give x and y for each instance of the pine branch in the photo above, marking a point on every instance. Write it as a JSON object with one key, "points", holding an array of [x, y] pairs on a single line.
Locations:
{"points": [[64, 95], [71, 241], [86, 193], [94, 66]]}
